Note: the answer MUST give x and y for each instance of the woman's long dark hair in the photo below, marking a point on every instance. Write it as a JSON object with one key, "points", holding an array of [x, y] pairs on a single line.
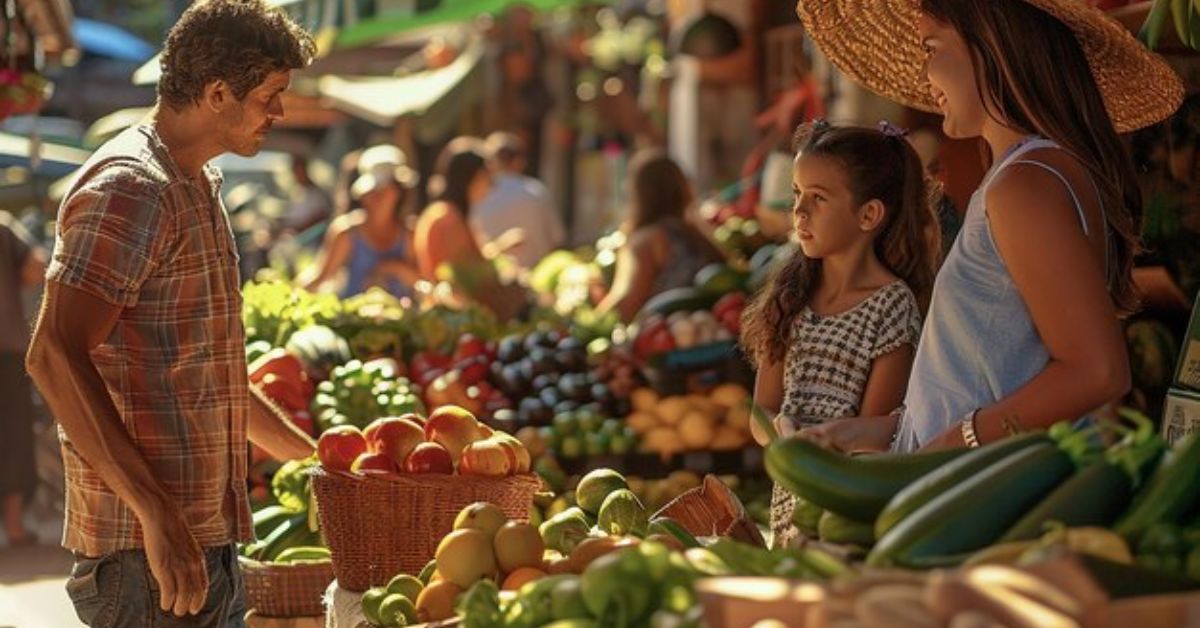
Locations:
{"points": [[877, 166], [1033, 76], [661, 191], [456, 167]]}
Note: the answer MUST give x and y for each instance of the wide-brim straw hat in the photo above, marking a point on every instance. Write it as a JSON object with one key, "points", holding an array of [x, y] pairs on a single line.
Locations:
{"points": [[382, 165], [876, 43]]}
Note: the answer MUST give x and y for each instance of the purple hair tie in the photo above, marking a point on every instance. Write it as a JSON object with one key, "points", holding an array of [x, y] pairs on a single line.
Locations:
{"points": [[891, 130]]}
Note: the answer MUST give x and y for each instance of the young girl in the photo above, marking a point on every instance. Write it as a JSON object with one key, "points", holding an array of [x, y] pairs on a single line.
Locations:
{"points": [[833, 333]]}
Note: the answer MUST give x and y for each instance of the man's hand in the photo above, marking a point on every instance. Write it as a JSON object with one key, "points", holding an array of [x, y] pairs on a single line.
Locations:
{"points": [[176, 563], [270, 428]]}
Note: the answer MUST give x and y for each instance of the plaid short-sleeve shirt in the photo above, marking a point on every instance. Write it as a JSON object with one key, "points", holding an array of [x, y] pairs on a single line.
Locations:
{"points": [[137, 233]]}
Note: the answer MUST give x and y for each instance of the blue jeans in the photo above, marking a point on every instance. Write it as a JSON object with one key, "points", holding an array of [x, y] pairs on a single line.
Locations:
{"points": [[117, 589]]}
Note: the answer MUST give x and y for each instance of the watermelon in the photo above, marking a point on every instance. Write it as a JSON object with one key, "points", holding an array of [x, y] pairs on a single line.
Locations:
{"points": [[320, 349], [678, 300]]}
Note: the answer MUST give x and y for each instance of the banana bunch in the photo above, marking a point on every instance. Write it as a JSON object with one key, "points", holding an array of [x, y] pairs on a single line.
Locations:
{"points": [[1185, 14]]}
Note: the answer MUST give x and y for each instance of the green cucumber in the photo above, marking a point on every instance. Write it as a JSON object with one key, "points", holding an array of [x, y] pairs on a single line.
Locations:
{"points": [[834, 528], [854, 487], [976, 512], [925, 489], [303, 552], [1171, 493], [673, 529], [1095, 496], [293, 532], [269, 518], [806, 516]]}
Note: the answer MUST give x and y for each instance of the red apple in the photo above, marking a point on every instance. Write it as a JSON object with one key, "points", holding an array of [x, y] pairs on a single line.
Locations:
{"points": [[487, 458], [395, 437], [474, 370], [452, 427], [470, 346], [340, 446], [429, 458], [415, 418], [374, 463]]}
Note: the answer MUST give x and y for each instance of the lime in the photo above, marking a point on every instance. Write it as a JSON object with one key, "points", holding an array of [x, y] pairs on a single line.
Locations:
{"points": [[405, 585], [371, 600], [397, 610]]}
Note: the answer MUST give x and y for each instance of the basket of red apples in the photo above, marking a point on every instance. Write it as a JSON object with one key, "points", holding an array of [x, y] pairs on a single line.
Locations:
{"points": [[388, 494]]}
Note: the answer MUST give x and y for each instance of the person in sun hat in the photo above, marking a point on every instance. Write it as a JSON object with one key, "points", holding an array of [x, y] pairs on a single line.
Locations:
{"points": [[1024, 325], [374, 243]]}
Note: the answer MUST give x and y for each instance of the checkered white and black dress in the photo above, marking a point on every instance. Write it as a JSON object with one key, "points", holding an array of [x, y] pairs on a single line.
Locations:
{"points": [[827, 365]]}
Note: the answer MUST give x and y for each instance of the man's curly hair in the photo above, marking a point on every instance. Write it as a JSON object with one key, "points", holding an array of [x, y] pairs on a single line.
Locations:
{"points": [[240, 42]]}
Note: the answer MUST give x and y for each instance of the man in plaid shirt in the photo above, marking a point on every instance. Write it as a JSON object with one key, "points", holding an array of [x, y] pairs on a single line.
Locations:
{"points": [[139, 346]]}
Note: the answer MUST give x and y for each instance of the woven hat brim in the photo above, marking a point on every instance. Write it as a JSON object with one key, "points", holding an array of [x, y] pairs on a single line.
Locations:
{"points": [[876, 43]]}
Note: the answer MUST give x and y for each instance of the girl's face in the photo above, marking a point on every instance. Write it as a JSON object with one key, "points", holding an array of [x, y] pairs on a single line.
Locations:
{"points": [[481, 184], [382, 200], [952, 78], [825, 216]]}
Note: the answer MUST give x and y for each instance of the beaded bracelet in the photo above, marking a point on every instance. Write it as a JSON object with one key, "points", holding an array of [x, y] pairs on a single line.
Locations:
{"points": [[968, 430]]}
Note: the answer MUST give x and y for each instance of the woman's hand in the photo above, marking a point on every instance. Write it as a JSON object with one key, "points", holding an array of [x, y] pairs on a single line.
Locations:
{"points": [[950, 439], [853, 434]]}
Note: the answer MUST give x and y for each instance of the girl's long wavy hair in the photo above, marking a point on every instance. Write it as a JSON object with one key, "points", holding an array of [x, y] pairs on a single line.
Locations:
{"points": [[1040, 82], [879, 166]]}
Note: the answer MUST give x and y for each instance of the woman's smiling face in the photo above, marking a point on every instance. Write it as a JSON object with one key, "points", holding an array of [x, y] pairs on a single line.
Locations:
{"points": [[952, 80]]}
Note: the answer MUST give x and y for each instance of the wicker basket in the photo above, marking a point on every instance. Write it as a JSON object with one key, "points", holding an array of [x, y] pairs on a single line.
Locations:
{"points": [[377, 527], [286, 589], [713, 510]]}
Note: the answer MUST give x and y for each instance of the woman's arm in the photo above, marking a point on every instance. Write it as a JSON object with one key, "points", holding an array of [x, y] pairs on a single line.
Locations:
{"points": [[1058, 273], [633, 280], [768, 396], [335, 251]]}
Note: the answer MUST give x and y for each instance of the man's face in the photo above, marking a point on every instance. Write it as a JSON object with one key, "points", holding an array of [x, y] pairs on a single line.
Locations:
{"points": [[243, 125]]}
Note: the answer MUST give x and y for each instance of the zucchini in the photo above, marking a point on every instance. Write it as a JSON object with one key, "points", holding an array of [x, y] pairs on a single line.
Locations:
{"points": [[303, 552], [854, 487], [1170, 495], [1095, 496], [927, 488], [974, 513], [673, 529], [806, 516], [293, 532], [834, 528], [266, 520]]}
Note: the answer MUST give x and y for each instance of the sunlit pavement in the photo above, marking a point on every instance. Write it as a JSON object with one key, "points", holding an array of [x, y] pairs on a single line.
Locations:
{"points": [[31, 588]]}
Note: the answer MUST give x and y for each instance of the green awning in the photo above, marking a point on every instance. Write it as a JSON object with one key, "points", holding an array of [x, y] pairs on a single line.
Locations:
{"points": [[368, 30]]}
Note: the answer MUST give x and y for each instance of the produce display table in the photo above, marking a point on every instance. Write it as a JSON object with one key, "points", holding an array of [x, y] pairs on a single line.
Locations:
{"points": [[747, 462], [254, 621], [344, 610]]}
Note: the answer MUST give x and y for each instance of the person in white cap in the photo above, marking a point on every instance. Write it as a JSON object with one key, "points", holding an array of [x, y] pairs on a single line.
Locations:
{"points": [[373, 243]]}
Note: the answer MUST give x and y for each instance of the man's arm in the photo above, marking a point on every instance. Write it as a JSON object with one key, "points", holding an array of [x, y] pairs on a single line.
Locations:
{"points": [[71, 323], [271, 428]]}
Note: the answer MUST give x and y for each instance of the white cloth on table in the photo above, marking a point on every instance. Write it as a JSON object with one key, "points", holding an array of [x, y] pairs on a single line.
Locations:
{"points": [[343, 609]]}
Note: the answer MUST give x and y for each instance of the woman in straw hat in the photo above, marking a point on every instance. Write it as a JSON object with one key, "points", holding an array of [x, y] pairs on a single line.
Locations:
{"points": [[1024, 325], [374, 244]]}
